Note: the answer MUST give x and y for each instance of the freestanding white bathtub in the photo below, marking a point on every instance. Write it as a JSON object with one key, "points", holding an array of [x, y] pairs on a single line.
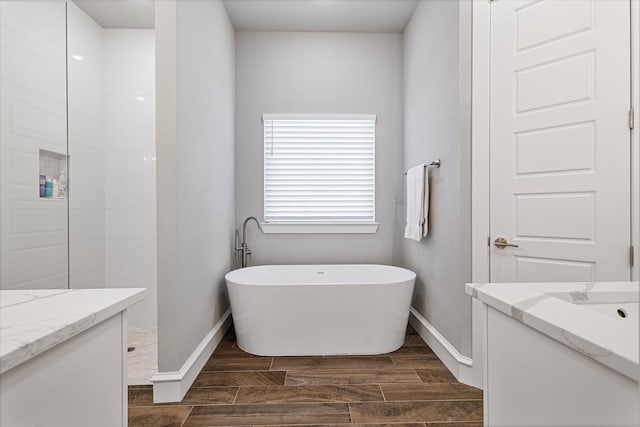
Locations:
{"points": [[302, 310]]}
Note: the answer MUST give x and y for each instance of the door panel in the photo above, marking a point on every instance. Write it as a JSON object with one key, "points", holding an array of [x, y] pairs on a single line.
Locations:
{"points": [[531, 269], [560, 141]]}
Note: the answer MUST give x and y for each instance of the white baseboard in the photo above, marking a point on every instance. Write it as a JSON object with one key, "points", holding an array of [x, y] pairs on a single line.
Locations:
{"points": [[460, 365], [172, 386]]}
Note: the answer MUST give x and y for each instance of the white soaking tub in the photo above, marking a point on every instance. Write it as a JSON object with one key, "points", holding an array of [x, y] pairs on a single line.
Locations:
{"points": [[303, 310]]}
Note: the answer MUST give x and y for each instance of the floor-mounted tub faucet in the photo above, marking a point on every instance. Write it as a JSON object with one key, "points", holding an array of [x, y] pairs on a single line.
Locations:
{"points": [[242, 250]]}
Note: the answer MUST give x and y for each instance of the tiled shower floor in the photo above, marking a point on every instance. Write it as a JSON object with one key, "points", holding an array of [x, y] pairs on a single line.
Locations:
{"points": [[142, 362], [409, 387]]}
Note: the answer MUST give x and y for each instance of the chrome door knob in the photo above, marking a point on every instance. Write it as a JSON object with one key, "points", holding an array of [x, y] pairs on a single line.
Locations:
{"points": [[502, 243]]}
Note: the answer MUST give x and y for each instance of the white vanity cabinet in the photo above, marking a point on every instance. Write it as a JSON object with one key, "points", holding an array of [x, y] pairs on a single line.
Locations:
{"points": [[556, 355], [63, 357]]}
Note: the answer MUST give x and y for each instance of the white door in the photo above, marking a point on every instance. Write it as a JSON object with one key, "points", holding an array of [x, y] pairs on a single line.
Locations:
{"points": [[560, 140]]}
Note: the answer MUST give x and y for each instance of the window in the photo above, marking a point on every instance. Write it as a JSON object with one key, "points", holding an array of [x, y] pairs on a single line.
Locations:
{"points": [[319, 173]]}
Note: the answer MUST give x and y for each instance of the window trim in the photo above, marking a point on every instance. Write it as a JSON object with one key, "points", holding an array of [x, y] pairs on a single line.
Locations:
{"points": [[323, 227], [270, 116], [319, 228]]}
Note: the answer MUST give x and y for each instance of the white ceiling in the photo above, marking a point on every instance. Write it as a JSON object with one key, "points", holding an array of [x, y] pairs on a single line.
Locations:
{"points": [[119, 13], [378, 16], [381, 16]]}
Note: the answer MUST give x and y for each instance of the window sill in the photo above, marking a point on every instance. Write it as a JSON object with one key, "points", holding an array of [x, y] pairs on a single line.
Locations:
{"points": [[293, 228]]}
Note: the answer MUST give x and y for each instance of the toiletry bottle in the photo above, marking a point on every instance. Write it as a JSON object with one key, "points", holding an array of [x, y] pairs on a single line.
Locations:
{"points": [[43, 180], [56, 189], [62, 185], [48, 188]]}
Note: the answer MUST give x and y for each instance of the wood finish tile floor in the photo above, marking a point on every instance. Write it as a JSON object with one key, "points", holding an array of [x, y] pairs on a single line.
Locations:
{"points": [[409, 387]]}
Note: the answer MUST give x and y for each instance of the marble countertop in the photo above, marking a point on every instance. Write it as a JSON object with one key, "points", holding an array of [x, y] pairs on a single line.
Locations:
{"points": [[33, 321], [569, 313]]}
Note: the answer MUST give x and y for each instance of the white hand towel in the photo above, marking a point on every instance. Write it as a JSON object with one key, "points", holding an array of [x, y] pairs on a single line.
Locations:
{"points": [[417, 203]]}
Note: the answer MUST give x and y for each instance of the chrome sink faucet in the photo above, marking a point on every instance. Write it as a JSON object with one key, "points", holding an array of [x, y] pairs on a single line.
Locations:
{"points": [[242, 249]]}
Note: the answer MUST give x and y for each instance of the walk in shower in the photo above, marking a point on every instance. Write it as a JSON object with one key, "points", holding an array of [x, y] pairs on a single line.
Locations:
{"points": [[77, 157]]}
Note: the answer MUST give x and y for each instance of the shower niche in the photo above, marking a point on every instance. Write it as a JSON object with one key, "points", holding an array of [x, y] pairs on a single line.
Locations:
{"points": [[53, 175]]}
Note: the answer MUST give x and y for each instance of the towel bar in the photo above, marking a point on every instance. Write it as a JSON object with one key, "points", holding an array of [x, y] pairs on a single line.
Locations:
{"points": [[435, 163]]}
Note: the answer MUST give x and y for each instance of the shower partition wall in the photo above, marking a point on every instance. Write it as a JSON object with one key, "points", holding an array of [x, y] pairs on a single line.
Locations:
{"points": [[34, 162], [86, 150], [77, 159], [77, 112]]}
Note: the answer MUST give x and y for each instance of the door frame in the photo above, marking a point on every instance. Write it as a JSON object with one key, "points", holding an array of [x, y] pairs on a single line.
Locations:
{"points": [[480, 135]]}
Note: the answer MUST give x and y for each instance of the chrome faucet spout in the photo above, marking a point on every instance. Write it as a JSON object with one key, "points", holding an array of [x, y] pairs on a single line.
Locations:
{"points": [[243, 249], [244, 228]]}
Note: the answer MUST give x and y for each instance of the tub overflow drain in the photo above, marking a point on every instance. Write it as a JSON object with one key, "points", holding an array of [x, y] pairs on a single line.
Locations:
{"points": [[622, 313]]}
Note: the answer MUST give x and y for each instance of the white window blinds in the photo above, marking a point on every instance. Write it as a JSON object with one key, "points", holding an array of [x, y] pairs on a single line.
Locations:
{"points": [[319, 169]]}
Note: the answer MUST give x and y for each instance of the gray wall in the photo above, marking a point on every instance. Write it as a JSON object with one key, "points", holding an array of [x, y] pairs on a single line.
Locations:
{"points": [[195, 83], [437, 108], [320, 73]]}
